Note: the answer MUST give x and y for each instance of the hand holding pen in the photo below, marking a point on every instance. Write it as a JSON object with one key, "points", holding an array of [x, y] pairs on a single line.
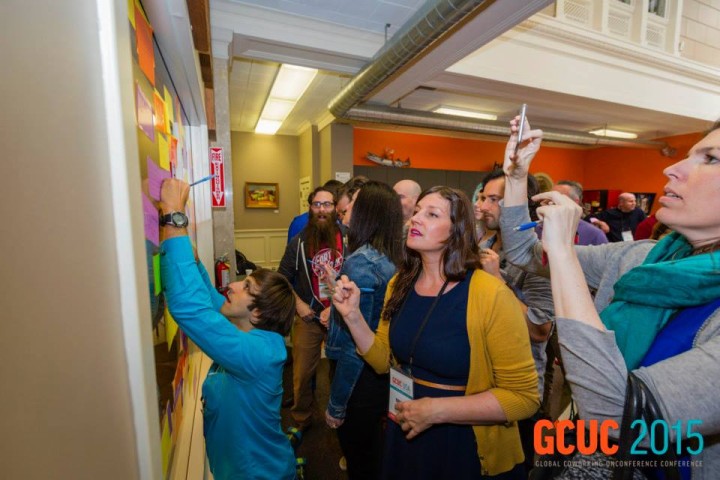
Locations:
{"points": [[331, 276], [560, 216]]}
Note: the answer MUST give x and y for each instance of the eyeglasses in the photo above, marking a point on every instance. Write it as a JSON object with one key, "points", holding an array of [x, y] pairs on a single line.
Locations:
{"points": [[322, 204]]}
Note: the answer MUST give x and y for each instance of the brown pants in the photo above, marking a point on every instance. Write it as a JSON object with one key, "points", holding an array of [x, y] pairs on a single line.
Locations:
{"points": [[307, 342]]}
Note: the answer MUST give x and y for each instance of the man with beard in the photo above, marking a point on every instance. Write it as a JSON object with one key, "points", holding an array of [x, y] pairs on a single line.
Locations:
{"points": [[321, 242], [532, 290]]}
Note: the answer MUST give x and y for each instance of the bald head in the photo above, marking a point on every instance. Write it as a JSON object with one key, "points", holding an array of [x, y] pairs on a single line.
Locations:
{"points": [[409, 191], [626, 202]]}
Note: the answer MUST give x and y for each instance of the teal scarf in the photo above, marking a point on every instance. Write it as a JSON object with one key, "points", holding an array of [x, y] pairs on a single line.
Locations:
{"points": [[646, 297]]}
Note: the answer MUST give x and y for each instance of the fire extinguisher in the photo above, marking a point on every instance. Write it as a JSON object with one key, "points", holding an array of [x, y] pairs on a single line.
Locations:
{"points": [[222, 274]]}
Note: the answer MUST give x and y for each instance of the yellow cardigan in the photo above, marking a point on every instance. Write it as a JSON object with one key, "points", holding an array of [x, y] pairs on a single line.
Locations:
{"points": [[500, 362]]}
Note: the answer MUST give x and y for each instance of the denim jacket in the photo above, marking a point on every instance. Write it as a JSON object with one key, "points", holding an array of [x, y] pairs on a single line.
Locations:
{"points": [[371, 271]]}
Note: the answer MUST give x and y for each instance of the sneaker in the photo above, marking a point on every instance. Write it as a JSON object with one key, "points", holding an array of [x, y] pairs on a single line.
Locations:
{"points": [[343, 464]]}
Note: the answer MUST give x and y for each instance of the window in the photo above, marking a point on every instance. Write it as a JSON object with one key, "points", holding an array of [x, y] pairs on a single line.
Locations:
{"points": [[657, 7]]}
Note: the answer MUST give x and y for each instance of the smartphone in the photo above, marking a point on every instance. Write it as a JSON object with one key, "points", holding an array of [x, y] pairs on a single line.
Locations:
{"points": [[521, 126]]}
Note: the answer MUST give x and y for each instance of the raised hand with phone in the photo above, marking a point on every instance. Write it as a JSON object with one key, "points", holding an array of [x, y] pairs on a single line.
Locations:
{"points": [[520, 150]]}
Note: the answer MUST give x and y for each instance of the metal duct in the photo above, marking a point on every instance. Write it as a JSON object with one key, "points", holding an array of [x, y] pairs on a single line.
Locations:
{"points": [[426, 26], [417, 118]]}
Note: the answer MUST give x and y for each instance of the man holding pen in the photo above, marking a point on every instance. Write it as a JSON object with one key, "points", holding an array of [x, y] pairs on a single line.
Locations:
{"points": [[244, 337]]}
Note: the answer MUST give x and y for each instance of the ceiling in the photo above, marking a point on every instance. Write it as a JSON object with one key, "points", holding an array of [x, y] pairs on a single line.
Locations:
{"points": [[341, 36]]}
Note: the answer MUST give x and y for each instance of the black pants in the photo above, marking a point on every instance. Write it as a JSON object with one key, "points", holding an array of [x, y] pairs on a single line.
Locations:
{"points": [[361, 435], [527, 439]]}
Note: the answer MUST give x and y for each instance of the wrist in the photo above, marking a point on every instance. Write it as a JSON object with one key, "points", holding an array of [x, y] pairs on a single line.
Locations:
{"points": [[436, 412], [171, 208], [353, 317]]}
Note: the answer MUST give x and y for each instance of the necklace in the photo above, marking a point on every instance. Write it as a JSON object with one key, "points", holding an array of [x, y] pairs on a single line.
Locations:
{"points": [[706, 248]]}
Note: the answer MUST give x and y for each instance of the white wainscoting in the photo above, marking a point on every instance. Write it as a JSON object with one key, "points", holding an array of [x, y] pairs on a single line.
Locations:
{"points": [[263, 247]]}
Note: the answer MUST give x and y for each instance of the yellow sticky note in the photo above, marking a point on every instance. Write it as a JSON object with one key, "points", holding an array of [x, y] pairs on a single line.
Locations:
{"points": [[131, 12], [171, 328], [164, 152], [168, 109], [165, 445], [156, 274]]}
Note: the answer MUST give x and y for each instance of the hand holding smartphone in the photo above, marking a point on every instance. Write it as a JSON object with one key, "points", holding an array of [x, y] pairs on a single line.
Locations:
{"points": [[521, 126]]}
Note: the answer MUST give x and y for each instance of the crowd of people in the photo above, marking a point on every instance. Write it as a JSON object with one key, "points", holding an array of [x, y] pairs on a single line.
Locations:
{"points": [[435, 314]]}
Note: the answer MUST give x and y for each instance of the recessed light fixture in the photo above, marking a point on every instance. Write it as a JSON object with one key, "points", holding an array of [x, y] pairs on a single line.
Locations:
{"points": [[605, 132], [461, 112], [290, 84]]}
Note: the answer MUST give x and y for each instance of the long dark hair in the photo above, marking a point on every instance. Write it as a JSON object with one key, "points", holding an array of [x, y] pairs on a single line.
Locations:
{"points": [[461, 252], [377, 219]]}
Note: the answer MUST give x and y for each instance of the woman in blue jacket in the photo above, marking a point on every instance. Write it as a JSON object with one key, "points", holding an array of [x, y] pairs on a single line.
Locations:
{"points": [[358, 395], [243, 335]]}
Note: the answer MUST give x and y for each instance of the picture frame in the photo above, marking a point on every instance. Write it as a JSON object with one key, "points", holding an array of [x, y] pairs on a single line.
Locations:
{"points": [[262, 195], [645, 201]]}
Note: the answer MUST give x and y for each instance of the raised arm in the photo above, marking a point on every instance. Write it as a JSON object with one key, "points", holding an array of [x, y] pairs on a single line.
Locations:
{"points": [[516, 167], [571, 296]]}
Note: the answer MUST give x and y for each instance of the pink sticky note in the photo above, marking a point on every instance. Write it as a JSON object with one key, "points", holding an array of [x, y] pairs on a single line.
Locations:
{"points": [[156, 175], [152, 221]]}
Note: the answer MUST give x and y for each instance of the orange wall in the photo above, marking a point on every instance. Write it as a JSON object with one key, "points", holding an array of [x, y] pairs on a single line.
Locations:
{"points": [[427, 151], [633, 169]]}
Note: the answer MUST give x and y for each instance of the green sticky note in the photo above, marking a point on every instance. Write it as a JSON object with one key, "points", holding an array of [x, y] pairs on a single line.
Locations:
{"points": [[156, 273]]}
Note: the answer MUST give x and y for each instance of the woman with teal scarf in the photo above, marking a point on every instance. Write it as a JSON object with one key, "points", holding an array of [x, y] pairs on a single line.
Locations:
{"points": [[656, 311]]}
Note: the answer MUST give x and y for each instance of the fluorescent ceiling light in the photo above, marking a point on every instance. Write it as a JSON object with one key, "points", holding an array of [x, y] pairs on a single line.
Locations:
{"points": [[290, 84], [267, 127], [464, 113], [292, 81], [277, 109], [604, 132]]}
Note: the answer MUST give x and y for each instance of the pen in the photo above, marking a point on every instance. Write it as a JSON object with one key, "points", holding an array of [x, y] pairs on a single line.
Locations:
{"points": [[204, 179], [527, 226]]}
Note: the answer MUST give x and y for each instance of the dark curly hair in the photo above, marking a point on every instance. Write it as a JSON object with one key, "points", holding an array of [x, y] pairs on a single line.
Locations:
{"points": [[461, 252], [275, 301]]}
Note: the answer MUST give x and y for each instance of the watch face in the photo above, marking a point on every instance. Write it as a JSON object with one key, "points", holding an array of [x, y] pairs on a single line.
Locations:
{"points": [[179, 219]]}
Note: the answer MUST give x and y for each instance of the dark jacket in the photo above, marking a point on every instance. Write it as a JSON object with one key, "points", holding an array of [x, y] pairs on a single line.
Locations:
{"points": [[297, 268]]}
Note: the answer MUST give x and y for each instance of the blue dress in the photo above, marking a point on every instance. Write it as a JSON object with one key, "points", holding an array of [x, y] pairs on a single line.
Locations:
{"points": [[442, 355]]}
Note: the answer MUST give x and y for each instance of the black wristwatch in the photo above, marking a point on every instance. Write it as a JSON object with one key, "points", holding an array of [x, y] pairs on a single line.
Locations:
{"points": [[174, 219]]}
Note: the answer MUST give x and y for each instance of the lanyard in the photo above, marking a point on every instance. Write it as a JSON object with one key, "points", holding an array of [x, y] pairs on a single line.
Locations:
{"points": [[425, 320]]}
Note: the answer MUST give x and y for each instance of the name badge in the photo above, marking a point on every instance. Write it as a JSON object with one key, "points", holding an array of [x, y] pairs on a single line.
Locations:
{"points": [[401, 390], [627, 236], [324, 291]]}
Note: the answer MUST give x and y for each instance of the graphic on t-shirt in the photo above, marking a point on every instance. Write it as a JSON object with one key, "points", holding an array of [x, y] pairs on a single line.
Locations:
{"points": [[326, 256]]}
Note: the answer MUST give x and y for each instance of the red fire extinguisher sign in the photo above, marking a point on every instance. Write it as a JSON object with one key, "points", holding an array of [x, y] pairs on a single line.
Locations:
{"points": [[217, 168]]}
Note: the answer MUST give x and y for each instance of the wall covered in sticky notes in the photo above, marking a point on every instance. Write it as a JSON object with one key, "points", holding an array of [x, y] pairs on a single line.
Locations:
{"points": [[165, 151]]}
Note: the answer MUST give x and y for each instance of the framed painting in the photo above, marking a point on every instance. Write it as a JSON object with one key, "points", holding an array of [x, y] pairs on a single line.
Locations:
{"points": [[262, 195]]}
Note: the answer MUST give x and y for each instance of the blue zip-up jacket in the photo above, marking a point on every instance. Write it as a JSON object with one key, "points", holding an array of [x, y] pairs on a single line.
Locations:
{"points": [[371, 271], [243, 389]]}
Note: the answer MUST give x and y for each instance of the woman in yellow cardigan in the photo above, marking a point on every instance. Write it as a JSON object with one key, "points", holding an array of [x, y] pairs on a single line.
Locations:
{"points": [[456, 338]]}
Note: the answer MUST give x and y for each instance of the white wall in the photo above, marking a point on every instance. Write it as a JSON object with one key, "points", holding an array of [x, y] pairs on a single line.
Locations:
{"points": [[700, 31], [78, 398]]}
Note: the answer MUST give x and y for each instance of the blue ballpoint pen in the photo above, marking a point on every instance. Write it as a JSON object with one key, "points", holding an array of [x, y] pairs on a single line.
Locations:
{"points": [[527, 226], [362, 289], [204, 179]]}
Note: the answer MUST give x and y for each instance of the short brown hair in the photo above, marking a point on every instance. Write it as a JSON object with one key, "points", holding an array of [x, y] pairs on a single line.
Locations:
{"points": [[275, 302]]}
